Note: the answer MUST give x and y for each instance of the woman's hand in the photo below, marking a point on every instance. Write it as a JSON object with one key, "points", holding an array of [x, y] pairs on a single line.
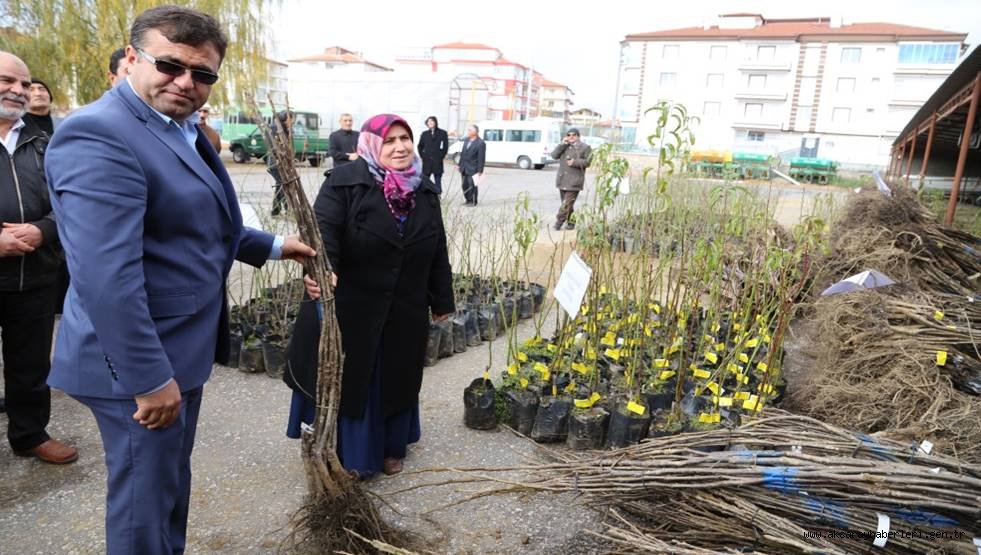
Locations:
{"points": [[440, 317], [313, 289]]}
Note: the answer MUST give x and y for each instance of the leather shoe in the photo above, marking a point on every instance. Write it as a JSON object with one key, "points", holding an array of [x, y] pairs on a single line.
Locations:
{"points": [[52, 452], [391, 466]]}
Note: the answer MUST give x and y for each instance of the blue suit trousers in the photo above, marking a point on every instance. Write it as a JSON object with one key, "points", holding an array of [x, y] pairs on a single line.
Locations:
{"points": [[149, 483]]}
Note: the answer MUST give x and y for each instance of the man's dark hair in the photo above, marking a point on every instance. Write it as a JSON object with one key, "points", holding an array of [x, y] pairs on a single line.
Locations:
{"points": [[179, 25], [435, 121], [475, 127], [114, 60]]}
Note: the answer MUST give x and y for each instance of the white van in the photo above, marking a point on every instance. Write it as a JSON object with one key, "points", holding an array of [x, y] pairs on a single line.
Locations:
{"points": [[527, 144]]}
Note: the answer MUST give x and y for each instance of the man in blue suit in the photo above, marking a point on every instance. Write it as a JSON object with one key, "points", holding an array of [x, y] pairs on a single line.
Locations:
{"points": [[150, 225]]}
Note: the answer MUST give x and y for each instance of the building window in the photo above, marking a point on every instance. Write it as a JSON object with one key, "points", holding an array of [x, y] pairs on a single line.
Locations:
{"points": [[670, 51], [668, 79], [714, 81], [841, 115], [851, 55], [928, 53], [756, 136], [765, 53], [717, 52], [495, 135], [845, 85], [757, 81], [631, 81], [753, 110], [712, 109]]}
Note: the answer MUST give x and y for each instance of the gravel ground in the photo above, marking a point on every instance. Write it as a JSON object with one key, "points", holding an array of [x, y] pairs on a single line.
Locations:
{"points": [[249, 478]]}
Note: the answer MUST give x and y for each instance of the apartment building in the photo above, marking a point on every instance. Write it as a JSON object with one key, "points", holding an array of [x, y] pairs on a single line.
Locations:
{"points": [[810, 87]]}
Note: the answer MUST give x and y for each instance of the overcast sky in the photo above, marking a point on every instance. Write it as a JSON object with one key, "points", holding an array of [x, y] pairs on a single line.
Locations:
{"points": [[576, 43]]}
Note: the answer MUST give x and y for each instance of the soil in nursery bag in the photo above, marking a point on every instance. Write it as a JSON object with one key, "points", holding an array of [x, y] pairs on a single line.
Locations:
{"points": [[692, 404], [250, 359], [587, 428], [659, 401], [274, 357], [662, 425], [526, 305], [627, 428], [459, 322], [471, 327], [234, 350], [479, 411], [445, 338], [537, 296], [508, 308], [552, 420], [432, 345], [521, 406], [488, 318]]}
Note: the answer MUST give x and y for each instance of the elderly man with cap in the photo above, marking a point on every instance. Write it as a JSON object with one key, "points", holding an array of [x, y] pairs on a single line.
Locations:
{"points": [[574, 157], [39, 100]]}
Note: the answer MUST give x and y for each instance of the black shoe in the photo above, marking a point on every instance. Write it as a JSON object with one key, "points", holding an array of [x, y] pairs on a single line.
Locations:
{"points": [[570, 226], [3, 405], [557, 226]]}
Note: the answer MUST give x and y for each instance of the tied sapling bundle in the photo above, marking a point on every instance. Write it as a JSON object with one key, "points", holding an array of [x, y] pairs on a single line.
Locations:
{"points": [[338, 516]]}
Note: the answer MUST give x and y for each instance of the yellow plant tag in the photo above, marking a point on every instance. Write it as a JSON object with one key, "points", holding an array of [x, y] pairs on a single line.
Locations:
{"points": [[753, 403], [571, 387], [661, 363], [615, 326], [672, 349], [610, 339], [737, 326], [720, 347], [938, 315], [633, 318], [753, 342], [583, 403], [522, 356], [555, 390], [941, 358], [709, 418], [584, 310], [603, 290], [580, 367], [724, 401], [551, 347], [699, 373], [767, 339], [613, 353], [712, 357], [591, 353], [630, 378], [716, 328], [682, 322], [741, 395], [543, 370], [734, 368], [768, 389], [533, 341], [656, 307], [762, 367], [742, 378], [513, 368], [665, 375], [714, 388], [486, 375], [636, 408], [656, 323], [648, 330], [523, 382], [708, 339], [744, 358]]}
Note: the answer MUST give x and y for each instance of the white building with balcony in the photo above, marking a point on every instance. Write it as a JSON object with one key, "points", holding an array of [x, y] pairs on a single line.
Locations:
{"points": [[810, 87]]}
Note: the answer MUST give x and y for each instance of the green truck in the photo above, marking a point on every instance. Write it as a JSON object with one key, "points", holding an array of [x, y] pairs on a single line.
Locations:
{"points": [[306, 144]]}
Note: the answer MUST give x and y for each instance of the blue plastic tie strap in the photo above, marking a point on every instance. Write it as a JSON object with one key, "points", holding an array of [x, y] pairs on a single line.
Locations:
{"points": [[829, 511], [878, 451], [781, 478]]}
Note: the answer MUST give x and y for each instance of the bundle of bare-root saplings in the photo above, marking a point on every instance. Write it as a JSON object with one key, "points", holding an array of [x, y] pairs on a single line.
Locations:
{"points": [[900, 360]]}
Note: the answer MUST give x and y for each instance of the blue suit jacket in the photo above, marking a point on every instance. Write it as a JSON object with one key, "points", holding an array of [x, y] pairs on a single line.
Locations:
{"points": [[150, 229]]}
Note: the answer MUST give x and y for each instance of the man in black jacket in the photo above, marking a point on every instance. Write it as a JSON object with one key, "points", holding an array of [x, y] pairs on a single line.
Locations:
{"points": [[433, 145], [29, 259], [472, 164], [344, 142]]}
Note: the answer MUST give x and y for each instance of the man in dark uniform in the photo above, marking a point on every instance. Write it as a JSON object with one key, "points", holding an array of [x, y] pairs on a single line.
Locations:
{"points": [[472, 164], [344, 142], [433, 145]]}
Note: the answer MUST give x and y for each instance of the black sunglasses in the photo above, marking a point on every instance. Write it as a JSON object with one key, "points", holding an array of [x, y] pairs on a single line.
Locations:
{"points": [[176, 70]]}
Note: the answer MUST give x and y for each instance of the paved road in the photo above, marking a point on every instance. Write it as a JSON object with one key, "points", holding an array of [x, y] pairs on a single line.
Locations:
{"points": [[248, 475]]}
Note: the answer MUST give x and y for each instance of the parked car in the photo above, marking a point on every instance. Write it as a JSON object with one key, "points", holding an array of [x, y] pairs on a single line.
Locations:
{"points": [[306, 145], [527, 144]]}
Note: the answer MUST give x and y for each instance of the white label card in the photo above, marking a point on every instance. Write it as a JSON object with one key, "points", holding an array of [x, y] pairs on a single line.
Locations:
{"points": [[572, 285], [883, 533], [926, 446]]}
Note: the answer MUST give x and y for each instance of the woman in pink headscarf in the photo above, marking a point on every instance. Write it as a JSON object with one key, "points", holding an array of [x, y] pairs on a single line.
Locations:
{"points": [[383, 232]]}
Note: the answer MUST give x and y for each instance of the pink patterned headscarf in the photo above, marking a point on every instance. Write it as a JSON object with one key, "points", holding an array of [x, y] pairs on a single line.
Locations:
{"points": [[399, 186]]}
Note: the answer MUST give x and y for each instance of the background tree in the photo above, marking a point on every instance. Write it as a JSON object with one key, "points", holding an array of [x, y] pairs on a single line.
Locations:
{"points": [[67, 43]]}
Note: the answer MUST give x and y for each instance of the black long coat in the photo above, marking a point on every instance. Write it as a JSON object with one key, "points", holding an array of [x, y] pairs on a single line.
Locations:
{"points": [[386, 286], [433, 146]]}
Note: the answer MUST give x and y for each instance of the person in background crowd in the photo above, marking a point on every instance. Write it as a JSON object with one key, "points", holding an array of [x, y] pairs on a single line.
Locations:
{"points": [[151, 226], [383, 233], [344, 142], [472, 164], [29, 257], [279, 196], [39, 100], [118, 67], [213, 137], [574, 157], [433, 145]]}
